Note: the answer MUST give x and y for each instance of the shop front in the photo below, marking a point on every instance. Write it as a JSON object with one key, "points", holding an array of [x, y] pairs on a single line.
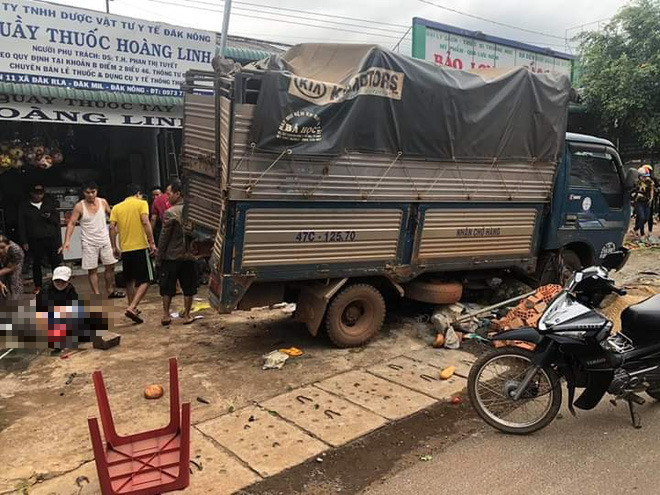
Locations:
{"points": [[88, 96], [63, 139]]}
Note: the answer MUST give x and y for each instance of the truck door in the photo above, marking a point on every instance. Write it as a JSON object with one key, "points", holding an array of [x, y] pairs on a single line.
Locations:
{"points": [[597, 211]]}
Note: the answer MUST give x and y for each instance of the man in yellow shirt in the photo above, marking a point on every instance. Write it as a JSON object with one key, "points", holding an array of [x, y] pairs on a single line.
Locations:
{"points": [[130, 219]]}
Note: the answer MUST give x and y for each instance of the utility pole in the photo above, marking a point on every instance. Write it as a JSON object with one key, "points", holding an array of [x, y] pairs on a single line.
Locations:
{"points": [[225, 28], [107, 6]]}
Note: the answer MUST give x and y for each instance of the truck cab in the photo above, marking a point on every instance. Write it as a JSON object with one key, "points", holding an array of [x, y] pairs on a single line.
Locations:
{"points": [[589, 212]]}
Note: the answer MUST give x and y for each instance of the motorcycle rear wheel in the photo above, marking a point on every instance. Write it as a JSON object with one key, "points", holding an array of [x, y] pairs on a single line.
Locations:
{"points": [[509, 365]]}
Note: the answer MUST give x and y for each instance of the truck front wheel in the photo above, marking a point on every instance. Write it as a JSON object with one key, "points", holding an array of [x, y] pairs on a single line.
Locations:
{"points": [[557, 269], [355, 315]]}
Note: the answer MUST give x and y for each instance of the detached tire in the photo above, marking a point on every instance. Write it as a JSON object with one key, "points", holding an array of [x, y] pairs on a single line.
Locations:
{"points": [[434, 291], [355, 315]]}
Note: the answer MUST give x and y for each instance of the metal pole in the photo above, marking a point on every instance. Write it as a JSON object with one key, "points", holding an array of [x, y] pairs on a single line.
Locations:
{"points": [[225, 28], [107, 6]]}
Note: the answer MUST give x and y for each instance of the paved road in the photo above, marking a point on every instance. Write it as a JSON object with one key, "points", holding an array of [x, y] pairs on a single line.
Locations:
{"points": [[599, 452]]}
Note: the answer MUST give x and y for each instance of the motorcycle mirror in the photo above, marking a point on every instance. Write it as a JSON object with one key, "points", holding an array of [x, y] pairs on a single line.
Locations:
{"points": [[631, 178], [615, 260]]}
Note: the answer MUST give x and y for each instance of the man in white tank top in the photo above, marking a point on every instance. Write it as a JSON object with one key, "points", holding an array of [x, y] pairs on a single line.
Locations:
{"points": [[92, 214]]}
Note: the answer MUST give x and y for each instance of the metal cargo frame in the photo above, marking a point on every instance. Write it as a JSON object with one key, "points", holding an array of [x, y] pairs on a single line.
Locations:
{"points": [[266, 203]]}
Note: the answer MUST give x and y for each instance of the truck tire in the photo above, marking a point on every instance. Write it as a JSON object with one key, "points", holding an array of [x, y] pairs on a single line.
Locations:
{"points": [[355, 315], [434, 291]]}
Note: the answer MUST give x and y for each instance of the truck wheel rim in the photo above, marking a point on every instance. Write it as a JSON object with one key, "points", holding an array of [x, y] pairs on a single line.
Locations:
{"points": [[356, 316]]}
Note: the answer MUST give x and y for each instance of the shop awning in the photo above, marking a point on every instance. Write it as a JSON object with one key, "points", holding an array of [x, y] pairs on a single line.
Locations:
{"points": [[82, 94], [246, 54]]}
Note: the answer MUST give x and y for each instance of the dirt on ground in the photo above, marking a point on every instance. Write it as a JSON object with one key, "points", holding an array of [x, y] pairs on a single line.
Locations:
{"points": [[45, 399]]}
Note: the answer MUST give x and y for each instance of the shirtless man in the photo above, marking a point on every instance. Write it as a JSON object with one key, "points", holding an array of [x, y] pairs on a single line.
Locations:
{"points": [[92, 213]]}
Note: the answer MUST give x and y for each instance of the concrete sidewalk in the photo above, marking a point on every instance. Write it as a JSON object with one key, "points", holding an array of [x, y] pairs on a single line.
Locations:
{"points": [[236, 449]]}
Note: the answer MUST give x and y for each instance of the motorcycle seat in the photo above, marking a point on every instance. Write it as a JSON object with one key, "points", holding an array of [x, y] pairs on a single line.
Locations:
{"points": [[641, 321]]}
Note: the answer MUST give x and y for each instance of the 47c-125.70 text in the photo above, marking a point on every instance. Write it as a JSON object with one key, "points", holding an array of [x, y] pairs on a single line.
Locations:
{"points": [[326, 236]]}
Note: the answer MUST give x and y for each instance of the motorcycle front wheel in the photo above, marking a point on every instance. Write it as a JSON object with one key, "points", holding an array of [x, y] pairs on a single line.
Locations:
{"points": [[493, 380]]}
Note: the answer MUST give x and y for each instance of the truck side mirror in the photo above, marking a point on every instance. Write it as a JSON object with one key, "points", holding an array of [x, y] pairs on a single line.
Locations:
{"points": [[631, 178]]}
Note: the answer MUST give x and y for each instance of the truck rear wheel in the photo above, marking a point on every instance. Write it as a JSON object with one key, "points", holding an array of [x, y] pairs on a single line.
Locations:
{"points": [[355, 315]]}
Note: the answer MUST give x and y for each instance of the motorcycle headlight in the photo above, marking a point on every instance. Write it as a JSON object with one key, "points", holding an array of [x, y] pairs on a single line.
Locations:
{"points": [[553, 312]]}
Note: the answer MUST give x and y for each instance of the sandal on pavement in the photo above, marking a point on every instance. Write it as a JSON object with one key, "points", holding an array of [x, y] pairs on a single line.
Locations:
{"points": [[188, 320], [133, 316]]}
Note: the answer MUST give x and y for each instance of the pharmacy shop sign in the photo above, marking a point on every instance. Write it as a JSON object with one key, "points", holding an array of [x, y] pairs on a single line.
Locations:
{"points": [[51, 110], [57, 45]]}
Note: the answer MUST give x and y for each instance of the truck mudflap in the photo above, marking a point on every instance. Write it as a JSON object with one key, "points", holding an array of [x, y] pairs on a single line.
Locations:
{"points": [[226, 291], [313, 301]]}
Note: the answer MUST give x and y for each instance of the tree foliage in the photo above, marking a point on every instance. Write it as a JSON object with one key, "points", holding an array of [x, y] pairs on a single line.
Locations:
{"points": [[621, 72]]}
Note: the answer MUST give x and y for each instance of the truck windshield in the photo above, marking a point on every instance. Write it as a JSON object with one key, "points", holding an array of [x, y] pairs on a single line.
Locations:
{"points": [[595, 170]]}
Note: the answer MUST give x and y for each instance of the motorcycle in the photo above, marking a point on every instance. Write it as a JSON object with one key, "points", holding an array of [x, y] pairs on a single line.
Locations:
{"points": [[519, 391]]}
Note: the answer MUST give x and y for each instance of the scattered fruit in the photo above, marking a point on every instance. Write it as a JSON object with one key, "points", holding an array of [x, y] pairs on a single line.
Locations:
{"points": [[153, 392]]}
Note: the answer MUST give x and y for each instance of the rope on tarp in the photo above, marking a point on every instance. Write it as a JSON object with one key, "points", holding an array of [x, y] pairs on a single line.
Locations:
{"points": [[250, 187], [499, 172], [363, 194], [396, 159], [460, 176], [438, 175], [250, 152]]}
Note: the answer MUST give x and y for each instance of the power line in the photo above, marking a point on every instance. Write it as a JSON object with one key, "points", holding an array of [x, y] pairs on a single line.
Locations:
{"points": [[300, 11], [598, 21], [244, 9], [312, 38], [333, 28], [275, 36], [449, 9]]}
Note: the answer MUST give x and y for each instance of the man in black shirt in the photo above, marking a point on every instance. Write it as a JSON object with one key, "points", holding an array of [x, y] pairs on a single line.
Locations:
{"points": [[39, 232]]}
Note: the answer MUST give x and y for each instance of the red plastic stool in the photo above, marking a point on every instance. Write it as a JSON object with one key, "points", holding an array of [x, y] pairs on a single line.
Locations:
{"points": [[147, 463]]}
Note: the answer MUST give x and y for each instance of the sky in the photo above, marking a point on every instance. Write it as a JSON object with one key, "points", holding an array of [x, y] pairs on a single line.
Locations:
{"points": [[384, 22]]}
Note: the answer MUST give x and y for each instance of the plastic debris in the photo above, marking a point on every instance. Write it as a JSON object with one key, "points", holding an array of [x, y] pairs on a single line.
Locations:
{"points": [[292, 351], [456, 400], [452, 340], [274, 360], [425, 458], [199, 306], [289, 308], [447, 372]]}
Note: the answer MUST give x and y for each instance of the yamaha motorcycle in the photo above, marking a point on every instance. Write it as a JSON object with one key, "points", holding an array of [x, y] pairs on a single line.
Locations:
{"points": [[518, 391]]}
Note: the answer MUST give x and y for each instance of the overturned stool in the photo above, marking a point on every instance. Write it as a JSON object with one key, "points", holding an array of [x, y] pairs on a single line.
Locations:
{"points": [[146, 463]]}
